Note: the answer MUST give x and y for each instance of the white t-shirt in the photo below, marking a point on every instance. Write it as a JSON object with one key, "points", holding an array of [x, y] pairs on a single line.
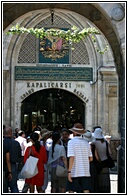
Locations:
{"points": [[28, 144], [23, 143], [80, 149]]}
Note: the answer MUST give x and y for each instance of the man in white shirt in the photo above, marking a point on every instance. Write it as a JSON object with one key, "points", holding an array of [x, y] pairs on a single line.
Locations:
{"points": [[23, 144], [22, 141], [80, 155]]}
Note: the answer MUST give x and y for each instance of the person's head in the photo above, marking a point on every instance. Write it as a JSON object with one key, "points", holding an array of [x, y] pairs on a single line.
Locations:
{"points": [[65, 134], [21, 133], [34, 138], [78, 129], [37, 128], [56, 137], [95, 127], [16, 130], [45, 133], [88, 137], [7, 132], [108, 137], [98, 134]]}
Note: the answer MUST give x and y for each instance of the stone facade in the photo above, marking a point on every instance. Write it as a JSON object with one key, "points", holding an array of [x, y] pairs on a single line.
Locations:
{"points": [[26, 53], [105, 93]]}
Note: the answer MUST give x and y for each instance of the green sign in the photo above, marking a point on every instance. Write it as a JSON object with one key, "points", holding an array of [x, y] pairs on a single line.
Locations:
{"points": [[53, 73]]}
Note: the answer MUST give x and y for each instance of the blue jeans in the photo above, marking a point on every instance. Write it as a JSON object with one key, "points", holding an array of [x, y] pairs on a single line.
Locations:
{"points": [[13, 183]]}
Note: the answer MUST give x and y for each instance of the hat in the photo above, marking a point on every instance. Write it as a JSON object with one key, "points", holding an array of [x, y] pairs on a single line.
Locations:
{"points": [[20, 132], [88, 136], [45, 132], [98, 133], [78, 128], [37, 132], [107, 136]]}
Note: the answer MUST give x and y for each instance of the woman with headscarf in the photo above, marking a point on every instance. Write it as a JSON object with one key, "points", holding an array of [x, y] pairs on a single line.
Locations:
{"points": [[57, 155], [39, 152]]}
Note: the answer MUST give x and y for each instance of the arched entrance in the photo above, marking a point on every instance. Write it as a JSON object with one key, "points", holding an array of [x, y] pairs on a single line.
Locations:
{"points": [[50, 108]]}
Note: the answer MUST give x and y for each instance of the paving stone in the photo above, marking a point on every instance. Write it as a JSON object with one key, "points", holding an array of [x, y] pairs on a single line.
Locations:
{"points": [[113, 178]]}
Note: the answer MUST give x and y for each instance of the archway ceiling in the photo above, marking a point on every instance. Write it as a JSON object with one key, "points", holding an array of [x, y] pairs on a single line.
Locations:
{"points": [[11, 11]]}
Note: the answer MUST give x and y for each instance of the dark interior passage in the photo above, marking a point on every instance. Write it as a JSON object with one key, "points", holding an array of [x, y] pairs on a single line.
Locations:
{"points": [[51, 108]]}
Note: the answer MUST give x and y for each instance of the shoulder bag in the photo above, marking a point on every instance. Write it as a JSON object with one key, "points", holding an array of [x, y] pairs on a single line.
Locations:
{"points": [[30, 167], [109, 161], [61, 171]]}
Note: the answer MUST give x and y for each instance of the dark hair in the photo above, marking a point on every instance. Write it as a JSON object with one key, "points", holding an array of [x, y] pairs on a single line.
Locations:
{"points": [[55, 138], [102, 140], [64, 130], [20, 133], [34, 137], [95, 127], [37, 128]]}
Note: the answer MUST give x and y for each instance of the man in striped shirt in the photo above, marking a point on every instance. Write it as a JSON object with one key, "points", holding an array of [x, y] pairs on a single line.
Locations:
{"points": [[80, 155]]}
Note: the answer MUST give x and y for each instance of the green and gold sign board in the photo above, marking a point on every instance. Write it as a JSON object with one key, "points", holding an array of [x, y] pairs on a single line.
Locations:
{"points": [[53, 73]]}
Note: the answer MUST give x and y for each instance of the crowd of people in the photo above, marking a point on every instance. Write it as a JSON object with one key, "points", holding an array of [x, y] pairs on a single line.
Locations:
{"points": [[75, 149]]}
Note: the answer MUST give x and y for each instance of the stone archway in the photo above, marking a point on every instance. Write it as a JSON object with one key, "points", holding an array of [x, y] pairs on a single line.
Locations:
{"points": [[94, 12]]}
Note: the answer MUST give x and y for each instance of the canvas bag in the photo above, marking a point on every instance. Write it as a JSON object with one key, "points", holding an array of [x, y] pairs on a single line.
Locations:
{"points": [[30, 167], [61, 171]]}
